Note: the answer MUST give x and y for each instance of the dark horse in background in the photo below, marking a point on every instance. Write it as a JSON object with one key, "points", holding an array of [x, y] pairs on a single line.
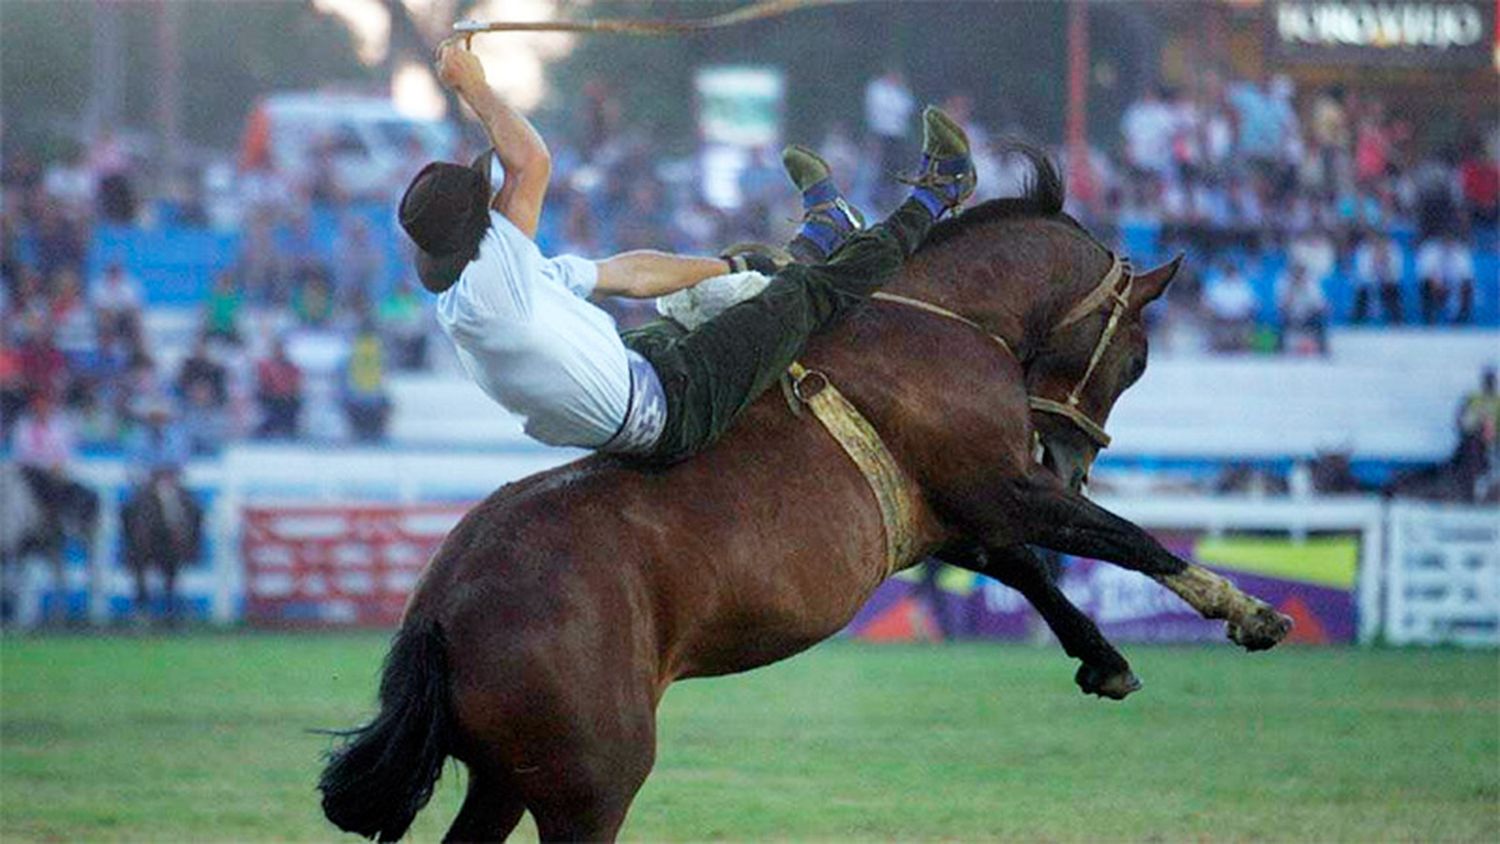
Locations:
{"points": [[558, 611], [29, 528], [1465, 476], [163, 530]]}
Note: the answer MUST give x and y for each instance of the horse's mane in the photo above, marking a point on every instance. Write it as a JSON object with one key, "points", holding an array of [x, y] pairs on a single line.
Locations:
{"points": [[1041, 196]]}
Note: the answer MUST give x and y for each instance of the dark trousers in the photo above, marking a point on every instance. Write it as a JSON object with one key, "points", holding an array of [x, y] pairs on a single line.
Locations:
{"points": [[1390, 302], [1435, 301], [711, 374]]}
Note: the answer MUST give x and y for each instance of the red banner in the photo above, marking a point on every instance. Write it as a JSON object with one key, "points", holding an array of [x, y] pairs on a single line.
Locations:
{"points": [[337, 565]]}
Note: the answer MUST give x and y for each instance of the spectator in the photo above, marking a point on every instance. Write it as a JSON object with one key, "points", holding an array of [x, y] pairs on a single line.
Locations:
{"points": [[842, 154], [12, 387], [1480, 411], [43, 446], [1436, 188], [201, 374], [888, 109], [1378, 267], [1331, 136], [262, 265], [302, 249], [1445, 266], [59, 244], [117, 301], [360, 262], [69, 183], [402, 319], [762, 187], [365, 402], [1232, 306], [313, 301], [110, 164], [1267, 125], [156, 447], [204, 423], [77, 332], [222, 311], [1304, 311], [279, 391], [44, 370], [1479, 180], [1149, 125], [1313, 250]]}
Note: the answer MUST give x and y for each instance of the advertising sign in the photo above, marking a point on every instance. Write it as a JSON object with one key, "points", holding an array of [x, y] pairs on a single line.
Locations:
{"points": [[322, 565], [1413, 33], [1312, 581]]}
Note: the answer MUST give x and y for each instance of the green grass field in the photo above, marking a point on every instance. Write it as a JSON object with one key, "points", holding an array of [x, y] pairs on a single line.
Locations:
{"points": [[202, 738]]}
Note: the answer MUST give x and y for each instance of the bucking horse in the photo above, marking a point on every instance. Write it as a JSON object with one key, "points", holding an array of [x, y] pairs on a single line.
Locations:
{"points": [[548, 625]]}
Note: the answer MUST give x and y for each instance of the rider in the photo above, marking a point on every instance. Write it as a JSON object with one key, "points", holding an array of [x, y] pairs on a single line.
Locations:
{"points": [[156, 453], [42, 445], [527, 334]]}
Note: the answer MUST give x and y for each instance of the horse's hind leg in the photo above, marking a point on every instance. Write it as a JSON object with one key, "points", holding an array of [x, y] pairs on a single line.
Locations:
{"points": [[490, 811], [566, 722]]}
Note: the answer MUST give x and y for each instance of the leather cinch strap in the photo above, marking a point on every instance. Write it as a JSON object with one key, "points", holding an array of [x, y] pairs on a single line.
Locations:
{"points": [[895, 493]]}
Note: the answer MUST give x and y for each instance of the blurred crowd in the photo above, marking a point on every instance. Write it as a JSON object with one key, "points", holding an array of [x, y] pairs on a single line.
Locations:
{"points": [[298, 336], [1242, 171]]}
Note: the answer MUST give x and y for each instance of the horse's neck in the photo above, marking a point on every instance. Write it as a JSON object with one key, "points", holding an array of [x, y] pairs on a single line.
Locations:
{"points": [[1015, 279]]}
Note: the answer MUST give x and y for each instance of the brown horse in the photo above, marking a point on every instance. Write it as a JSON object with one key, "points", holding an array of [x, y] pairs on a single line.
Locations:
{"points": [[556, 614]]}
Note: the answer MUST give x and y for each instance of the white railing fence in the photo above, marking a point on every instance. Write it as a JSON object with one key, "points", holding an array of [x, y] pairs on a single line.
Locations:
{"points": [[1428, 574]]}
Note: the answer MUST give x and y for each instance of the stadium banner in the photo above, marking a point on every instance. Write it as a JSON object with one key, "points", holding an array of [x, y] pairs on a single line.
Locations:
{"points": [[1313, 581], [355, 565], [1391, 33], [318, 565]]}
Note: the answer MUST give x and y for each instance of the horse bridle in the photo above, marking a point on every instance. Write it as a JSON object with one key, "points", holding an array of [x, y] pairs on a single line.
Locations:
{"points": [[1113, 289]]}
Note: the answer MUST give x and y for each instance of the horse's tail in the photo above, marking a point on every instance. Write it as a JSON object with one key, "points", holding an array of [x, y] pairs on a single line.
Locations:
{"points": [[384, 774]]}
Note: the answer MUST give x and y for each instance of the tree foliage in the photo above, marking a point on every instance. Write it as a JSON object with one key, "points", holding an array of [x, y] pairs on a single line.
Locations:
{"points": [[1010, 57], [231, 53]]}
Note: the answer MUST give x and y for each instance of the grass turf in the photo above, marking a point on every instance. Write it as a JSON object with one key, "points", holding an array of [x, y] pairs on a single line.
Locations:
{"points": [[202, 738]]}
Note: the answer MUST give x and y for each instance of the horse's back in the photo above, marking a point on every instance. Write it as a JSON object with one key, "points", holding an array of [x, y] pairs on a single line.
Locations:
{"points": [[772, 533]]}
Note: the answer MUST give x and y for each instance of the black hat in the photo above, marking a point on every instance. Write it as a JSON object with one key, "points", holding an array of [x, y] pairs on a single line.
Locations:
{"points": [[445, 211]]}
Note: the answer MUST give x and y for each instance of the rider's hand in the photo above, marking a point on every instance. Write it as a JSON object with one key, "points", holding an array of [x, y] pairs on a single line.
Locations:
{"points": [[458, 68]]}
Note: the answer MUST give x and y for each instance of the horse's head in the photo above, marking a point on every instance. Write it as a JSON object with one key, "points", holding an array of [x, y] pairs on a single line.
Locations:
{"points": [[1090, 359]]}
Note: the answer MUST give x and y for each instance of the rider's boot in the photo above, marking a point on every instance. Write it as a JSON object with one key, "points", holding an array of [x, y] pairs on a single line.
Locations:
{"points": [[947, 177], [870, 257], [827, 218]]}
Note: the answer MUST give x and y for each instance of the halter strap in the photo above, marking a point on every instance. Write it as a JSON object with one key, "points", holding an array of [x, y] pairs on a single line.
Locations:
{"points": [[941, 311], [1109, 289], [1090, 303]]}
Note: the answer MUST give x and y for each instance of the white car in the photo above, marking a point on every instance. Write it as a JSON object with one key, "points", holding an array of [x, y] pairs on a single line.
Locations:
{"points": [[371, 144]]}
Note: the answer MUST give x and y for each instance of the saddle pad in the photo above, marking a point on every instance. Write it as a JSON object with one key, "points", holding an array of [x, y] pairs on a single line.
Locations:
{"points": [[895, 492]]}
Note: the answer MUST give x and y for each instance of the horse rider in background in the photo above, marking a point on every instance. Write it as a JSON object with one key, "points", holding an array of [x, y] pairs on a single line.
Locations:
{"points": [[161, 520], [527, 334], [44, 448]]}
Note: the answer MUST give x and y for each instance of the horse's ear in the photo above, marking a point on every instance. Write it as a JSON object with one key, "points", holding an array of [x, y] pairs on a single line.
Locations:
{"points": [[1151, 284]]}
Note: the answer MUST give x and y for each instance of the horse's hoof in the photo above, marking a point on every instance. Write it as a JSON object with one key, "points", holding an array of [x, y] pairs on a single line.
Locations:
{"points": [[1104, 682], [1262, 630]]}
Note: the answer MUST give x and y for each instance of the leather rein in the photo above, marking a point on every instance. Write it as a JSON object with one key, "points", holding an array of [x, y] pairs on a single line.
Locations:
{"points": [[1113, 290]]}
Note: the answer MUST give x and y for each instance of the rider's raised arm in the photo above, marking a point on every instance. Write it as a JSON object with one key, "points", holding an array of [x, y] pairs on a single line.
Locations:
{"points": [[645, 273], [523, 153]]}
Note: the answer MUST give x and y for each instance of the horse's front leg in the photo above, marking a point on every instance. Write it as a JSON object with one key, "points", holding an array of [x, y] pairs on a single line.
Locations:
{"points": [[1104, 671], [1057, 518]]}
